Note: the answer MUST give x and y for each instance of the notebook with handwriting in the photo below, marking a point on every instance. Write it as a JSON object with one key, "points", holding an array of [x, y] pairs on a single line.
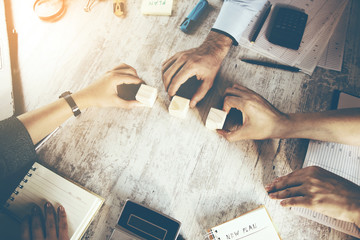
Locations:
{"points": [[341, 159], [253, 225], [41, 185]]}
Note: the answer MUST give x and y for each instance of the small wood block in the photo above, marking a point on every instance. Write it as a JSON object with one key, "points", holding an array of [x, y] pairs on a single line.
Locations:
{"points": [[179, 107], [215, 119], [146, 95]]}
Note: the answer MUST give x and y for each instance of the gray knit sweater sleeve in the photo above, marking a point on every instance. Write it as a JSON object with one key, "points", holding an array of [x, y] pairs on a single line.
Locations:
{"points": [[17, 154]]}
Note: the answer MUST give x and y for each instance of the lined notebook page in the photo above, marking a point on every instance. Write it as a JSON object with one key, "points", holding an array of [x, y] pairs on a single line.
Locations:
{"points": [[41, 185], [253, 225], [343, 160], [332, 57]]}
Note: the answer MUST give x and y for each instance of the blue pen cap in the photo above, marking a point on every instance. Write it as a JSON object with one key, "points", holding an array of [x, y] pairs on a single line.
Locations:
{"points": [[194, 16]]}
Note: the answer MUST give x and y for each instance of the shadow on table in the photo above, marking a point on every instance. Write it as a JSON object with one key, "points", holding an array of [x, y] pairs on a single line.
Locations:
{"points": [[278, 157]]}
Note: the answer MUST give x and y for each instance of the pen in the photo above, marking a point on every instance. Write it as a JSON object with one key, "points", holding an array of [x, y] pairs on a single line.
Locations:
{"points": [[260, 25], [272, 65], [189, 21]]}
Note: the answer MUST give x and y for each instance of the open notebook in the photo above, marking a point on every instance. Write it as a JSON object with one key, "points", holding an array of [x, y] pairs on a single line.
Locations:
{"points": [[343, 160], [41, 185]]}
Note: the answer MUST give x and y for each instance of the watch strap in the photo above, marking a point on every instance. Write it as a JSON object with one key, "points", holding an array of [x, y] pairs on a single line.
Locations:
{"points": [[74, 108]]}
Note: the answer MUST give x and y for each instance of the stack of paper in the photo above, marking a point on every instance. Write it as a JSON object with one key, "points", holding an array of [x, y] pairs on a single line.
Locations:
{"points": [[323, 18]]}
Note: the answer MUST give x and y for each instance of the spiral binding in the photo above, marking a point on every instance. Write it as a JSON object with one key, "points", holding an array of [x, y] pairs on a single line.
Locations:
{"points": [[210, 234], [19, 187]]}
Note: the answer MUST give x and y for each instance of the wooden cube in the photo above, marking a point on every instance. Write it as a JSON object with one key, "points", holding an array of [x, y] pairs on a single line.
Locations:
{"points": [[179, 106], [146, 95], [215, 119]]}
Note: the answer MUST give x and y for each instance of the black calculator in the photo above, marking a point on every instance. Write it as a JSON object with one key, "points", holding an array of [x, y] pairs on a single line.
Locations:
{"points": [[288, 27]]}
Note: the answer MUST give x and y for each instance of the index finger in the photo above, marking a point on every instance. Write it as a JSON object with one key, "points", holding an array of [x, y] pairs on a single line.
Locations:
{"points": [[291, 180], [181, 77], [232, 102], [127, 79], [200, 93], [124, 69], [171, 69]]}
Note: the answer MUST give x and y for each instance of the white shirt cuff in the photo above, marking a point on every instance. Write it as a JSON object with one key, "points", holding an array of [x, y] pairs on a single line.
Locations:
{"points": [[235, 16]]}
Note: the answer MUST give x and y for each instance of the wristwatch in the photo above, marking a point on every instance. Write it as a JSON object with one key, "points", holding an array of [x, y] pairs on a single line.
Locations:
{"points": [[67, 96]]}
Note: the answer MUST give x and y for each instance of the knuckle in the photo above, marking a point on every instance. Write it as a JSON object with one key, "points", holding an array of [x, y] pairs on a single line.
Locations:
{"points": [[313, 169], [183, 57], [287, 192]]}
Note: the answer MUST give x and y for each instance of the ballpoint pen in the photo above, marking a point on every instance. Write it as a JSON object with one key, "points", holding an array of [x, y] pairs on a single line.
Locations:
{"points": [[260, 24], [272, 65]]}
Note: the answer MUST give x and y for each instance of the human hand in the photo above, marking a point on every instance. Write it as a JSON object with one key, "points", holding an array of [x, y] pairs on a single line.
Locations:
{"points": [[32, 227], [319, 190], [203, 62], [260, 120], [103, 92]]}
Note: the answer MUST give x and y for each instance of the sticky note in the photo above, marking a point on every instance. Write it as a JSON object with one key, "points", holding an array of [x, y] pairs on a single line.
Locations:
{"points": [[157, 7]]}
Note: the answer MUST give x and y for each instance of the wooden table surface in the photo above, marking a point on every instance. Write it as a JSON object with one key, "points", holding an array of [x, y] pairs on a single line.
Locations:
{"points": [[175, 166]]}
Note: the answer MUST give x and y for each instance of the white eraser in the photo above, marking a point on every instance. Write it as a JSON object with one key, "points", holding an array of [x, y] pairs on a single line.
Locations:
{"points": [[215, 119], [146, 95], [179, 106]]}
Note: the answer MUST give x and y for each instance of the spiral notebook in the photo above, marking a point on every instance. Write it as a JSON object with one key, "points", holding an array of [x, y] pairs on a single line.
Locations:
{"points": [[253, 225], [41, 185]]}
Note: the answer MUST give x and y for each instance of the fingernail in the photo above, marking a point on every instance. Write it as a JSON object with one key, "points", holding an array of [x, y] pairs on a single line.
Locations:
{"points": [[268, 187], [271, 195], [61, 209]]}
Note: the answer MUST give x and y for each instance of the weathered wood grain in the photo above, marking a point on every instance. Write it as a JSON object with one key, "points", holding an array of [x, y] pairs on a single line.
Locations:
{"points": [[176, 166]]}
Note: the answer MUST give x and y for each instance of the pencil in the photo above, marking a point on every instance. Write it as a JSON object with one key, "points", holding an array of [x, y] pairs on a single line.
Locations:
{"points": [[260, 25]]}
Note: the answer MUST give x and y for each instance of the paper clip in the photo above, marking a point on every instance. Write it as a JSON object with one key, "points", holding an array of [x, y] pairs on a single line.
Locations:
{"points": [[119, 8], [88, 5]]}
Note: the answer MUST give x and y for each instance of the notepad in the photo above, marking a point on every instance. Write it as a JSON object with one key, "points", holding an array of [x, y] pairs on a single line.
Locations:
{"points": [[253, 225], [157, 7], [341, 159], [41, 185]]}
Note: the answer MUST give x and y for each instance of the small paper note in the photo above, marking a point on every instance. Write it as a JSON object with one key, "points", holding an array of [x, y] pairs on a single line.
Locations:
{"points": [[157, 7]]}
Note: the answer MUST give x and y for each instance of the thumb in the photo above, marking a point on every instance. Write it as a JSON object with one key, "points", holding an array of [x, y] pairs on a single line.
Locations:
{"points": [[121, 103], [231, 136]]}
